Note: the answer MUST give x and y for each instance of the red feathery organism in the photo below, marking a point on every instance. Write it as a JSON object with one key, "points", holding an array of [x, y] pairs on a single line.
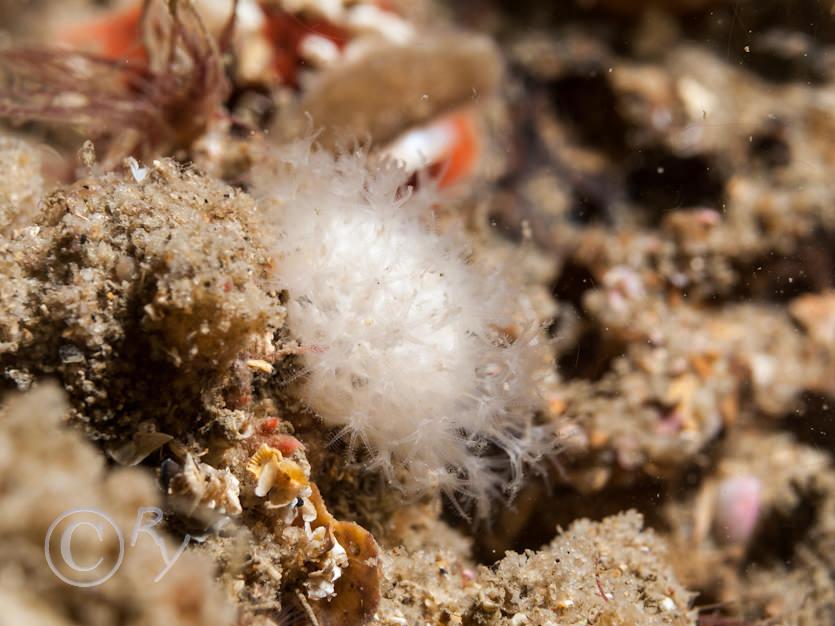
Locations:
{"points": [[131, 106]]}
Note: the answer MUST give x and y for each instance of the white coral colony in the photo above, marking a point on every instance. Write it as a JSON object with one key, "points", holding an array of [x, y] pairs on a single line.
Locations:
{"points": [[406, 357]]}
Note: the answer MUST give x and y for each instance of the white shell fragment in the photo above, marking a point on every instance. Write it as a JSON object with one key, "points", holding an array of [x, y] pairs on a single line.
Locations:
{"points": [[210, 487], [139, 173], [320, 583]]}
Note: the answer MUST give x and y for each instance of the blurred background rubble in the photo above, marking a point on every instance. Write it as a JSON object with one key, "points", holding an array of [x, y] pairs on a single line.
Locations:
{"points": [[658, 174]]}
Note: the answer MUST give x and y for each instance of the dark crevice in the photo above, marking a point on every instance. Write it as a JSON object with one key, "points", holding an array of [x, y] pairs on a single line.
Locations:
{"points": [[814, 422], [592, 355], [781, 532], [573, 282], [589, 106], [799, 44], [659, 182], [776, 277], [591, 208], [538, 528], [770, 148], [591, 358]]}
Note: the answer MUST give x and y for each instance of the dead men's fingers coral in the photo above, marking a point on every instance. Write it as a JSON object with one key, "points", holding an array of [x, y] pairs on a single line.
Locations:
{"points": [[409, 361]]}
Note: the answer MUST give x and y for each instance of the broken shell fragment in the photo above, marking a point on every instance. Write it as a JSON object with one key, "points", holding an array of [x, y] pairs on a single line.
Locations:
{"points": [[320, 583], [207, 486], [138, 448], [259, 365]]}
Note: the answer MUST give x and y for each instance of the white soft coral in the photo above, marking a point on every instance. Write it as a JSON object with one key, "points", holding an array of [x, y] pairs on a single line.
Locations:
{"points": [[410, 362]]}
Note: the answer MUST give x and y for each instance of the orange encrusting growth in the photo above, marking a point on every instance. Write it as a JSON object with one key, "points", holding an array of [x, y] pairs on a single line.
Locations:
{"points": [[459, 158], [114, 35]]}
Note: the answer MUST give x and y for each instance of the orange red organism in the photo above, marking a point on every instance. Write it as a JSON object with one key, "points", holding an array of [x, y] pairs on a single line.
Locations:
{"points": [[137, 89]]}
